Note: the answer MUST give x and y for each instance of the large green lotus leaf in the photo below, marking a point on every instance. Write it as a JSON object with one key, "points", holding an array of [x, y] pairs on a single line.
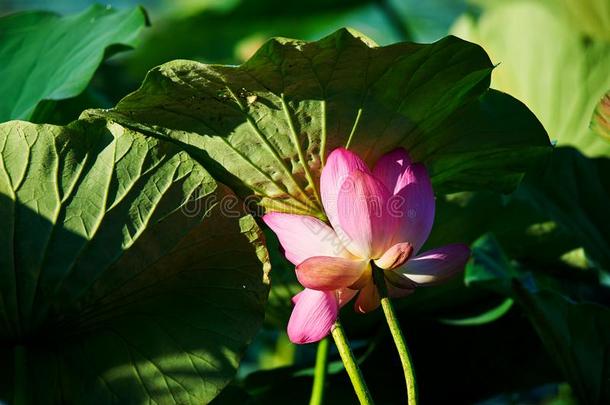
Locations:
{"points": [[547, 65], [123, 277], [576, 334], [48, 57], [266, 127], [574, 191]]}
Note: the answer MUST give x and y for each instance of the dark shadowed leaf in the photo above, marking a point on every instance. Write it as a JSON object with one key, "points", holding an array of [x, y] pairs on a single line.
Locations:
{"points": [[576, 334], [121, 279], [574, 191], [285, 284], [523, 232]]}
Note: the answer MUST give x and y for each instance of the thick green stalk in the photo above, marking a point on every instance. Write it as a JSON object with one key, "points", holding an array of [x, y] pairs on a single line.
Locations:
{"points": [[319, 376], [351, 366], [397, 335]]}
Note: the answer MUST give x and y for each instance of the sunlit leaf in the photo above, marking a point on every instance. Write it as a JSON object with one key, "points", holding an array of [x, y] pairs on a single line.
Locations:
{"points": [[121, 278], [586, 17], [48, 57], [265, 127], [544, 62]]}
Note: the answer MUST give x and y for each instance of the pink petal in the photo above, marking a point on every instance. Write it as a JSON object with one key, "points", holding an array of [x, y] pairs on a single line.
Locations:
{"points": [[368, 300], [344, 295], [313, 316], [339, 164], [390, 168], [395, 256], [297, 297], [303, 237], [330, 273], [436, 265], [414, 203], [364, 218]]}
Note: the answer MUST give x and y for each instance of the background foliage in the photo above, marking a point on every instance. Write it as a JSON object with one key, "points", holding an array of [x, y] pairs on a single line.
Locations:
{"points": [[109, 289]]}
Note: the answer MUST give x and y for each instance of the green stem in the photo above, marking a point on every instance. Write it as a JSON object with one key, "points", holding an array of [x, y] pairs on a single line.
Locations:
{"points": [[397, 335], [319, 376], [350, 365], [20, 388]]}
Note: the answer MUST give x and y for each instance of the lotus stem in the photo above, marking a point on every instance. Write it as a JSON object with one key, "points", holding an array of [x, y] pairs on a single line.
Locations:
{"points": [[351, 366], [397, 335]]}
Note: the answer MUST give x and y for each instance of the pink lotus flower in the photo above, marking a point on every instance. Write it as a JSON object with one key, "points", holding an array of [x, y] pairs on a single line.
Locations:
{"points": [[382, 216]]}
